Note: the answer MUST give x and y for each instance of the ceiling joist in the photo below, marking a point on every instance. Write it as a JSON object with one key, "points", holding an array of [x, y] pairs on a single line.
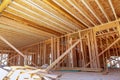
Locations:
{"points": [[70, 1], [110, 2], [101, 8], [63, 5], [88, 7]]}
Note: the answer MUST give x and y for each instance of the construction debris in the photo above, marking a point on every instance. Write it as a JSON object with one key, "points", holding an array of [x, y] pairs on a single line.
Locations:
{"points": [[22, 73]]}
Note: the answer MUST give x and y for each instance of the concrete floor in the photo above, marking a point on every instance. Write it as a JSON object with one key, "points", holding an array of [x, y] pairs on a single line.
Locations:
{"points": [[113, 75]]}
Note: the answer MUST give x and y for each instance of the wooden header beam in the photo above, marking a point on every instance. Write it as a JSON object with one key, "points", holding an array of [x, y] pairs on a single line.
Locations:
{"points": [[107, 25], [113, 10]]}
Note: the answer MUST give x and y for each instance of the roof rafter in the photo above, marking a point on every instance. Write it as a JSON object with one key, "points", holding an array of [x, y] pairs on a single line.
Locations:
{"points": [[113, 10], [71, 13], [51, 11], [80, 11], [64, 15], [101, 8], [88, 7]]}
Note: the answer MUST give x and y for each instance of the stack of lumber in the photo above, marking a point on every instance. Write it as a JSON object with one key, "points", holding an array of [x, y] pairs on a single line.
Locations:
{"points": [[25, 73]]}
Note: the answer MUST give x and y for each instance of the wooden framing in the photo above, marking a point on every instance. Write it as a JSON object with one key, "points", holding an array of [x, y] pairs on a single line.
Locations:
{"points": [[110, 2], [88, 52], [81, 12], [61, 5], [101, 8], [86, 4], [82, 49]]}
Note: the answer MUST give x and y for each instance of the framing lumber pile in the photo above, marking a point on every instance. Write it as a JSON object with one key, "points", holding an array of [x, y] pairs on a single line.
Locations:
{"points": [[22, 72]]}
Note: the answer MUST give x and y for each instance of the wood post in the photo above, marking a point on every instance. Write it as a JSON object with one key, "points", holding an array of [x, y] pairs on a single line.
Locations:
{"points": [[52, 49]]}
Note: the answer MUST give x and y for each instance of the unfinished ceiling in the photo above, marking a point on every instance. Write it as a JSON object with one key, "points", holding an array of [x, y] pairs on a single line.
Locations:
{"points": [[26, 22]]}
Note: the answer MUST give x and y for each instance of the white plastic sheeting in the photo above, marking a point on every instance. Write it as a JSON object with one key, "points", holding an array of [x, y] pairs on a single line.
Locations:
{"points": [[3, 73]]}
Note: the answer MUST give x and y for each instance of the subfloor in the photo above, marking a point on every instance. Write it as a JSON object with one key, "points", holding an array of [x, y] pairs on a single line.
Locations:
{"points": [[112, 75]]}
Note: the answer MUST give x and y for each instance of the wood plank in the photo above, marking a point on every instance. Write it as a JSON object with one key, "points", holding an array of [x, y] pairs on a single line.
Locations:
{"points": [[81, 69], [106, 26]]}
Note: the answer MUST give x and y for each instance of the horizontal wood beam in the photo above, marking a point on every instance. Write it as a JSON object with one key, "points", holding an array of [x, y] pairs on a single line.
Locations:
{"points": [[81, 69], [107, 25], [5, 51]]}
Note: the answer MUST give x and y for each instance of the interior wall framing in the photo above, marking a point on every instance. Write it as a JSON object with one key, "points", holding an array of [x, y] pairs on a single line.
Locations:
{"points": [[96, 47]]}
